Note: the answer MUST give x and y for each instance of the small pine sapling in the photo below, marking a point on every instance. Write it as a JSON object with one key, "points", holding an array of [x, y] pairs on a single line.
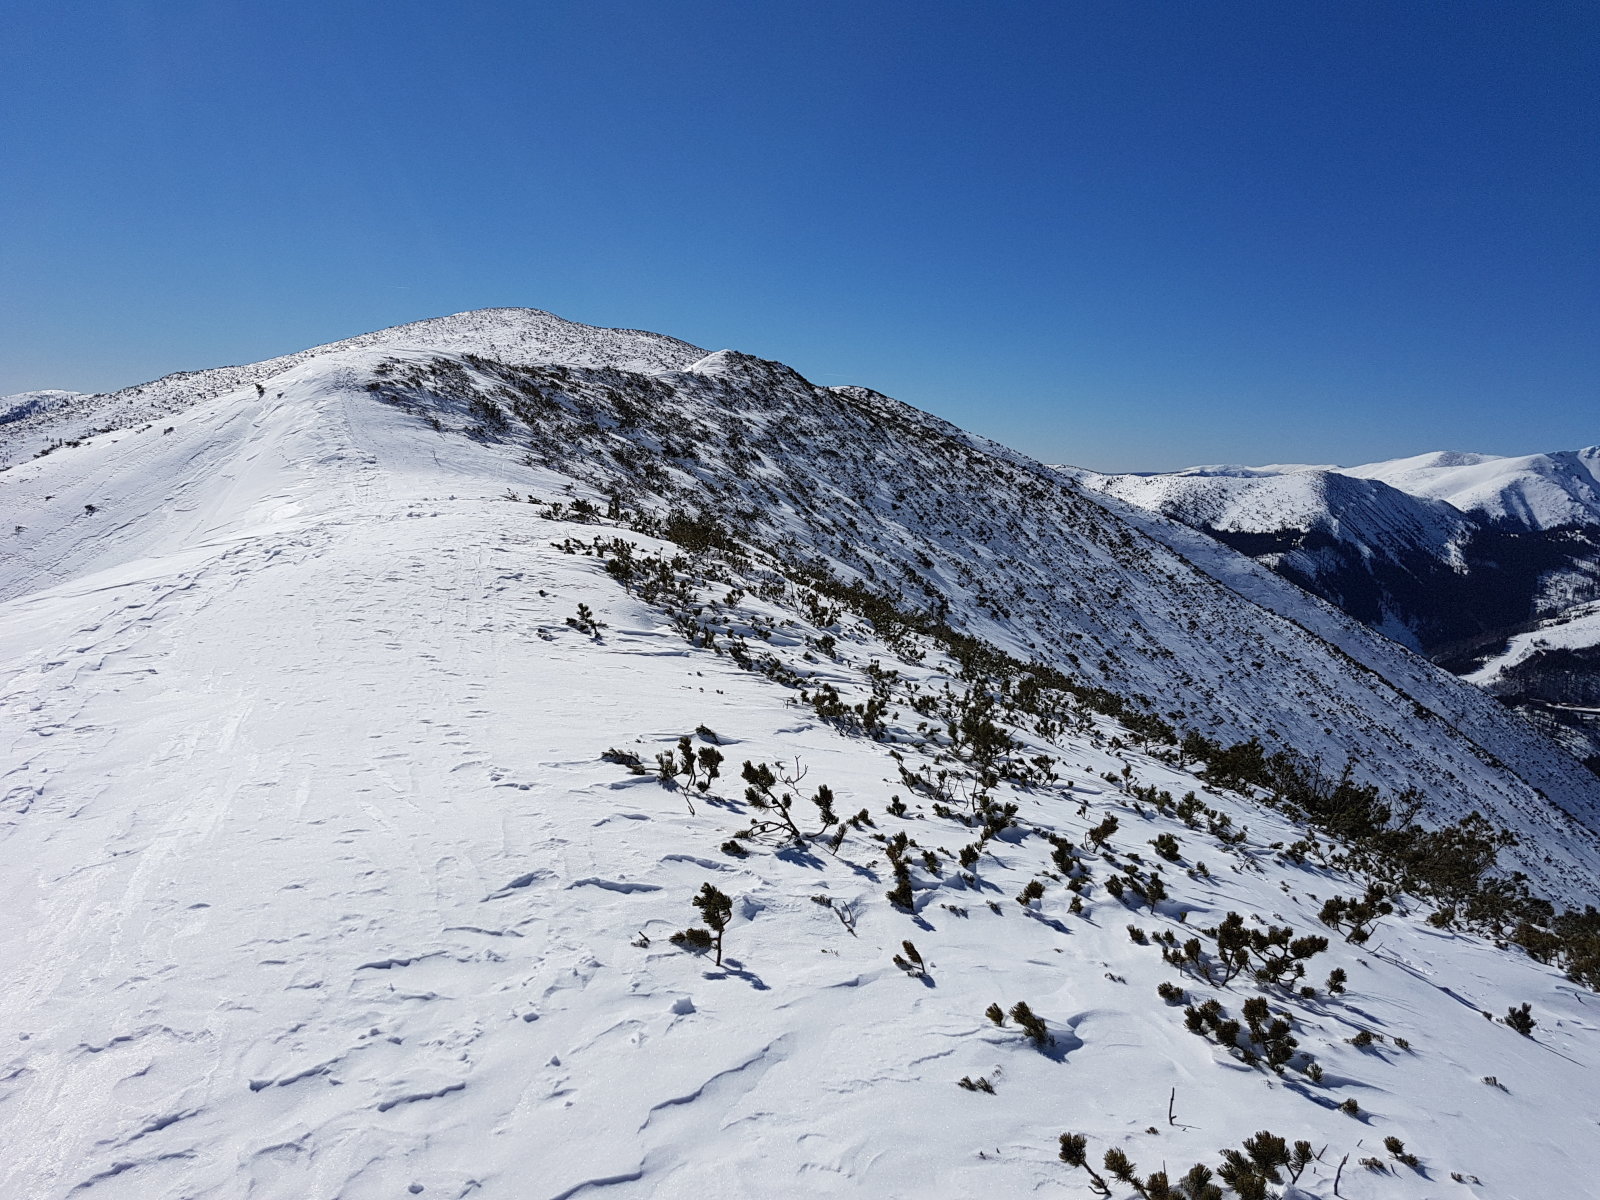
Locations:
{"points": [[1031, 891], [586, 623], [1357, 917], [912, 963], [1301, 1157], [710, 762], [1268, 1152], [666, 768], [1036, 1029], [1521, 1019], [823, 799], [1102, 831], [716, 910], [624, 758], [900, 895], [693, 939], [1196, 1183], [1398, 1149], [761, 794]]}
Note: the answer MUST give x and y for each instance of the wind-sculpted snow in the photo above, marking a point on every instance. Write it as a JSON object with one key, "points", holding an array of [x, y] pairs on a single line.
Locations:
{"points": [[317, 883]]}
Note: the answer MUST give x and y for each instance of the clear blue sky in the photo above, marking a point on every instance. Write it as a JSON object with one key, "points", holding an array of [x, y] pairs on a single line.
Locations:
{"points": [[1131, 234]]}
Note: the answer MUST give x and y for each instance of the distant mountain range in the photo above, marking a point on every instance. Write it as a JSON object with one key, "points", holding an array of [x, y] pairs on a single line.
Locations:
{"points": [[1472, 559]]}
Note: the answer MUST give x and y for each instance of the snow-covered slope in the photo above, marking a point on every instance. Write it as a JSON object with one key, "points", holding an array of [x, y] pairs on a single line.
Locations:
{"points": [[512, 335], [1445, 553], [317, 885], [1393, 561], [1363, 511], [1575, 631], [1530, 491], [20, 405]]}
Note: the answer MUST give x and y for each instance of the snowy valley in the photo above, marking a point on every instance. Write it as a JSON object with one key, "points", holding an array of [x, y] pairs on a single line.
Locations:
{"points": [[374, 716], [1466, 558]]}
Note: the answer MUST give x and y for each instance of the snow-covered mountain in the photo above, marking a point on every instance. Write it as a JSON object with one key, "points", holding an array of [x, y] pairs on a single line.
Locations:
{"points": [[21, 405], [1531, 491], [512, 335], [328, 869], [1451, 554], [1396, 562]]}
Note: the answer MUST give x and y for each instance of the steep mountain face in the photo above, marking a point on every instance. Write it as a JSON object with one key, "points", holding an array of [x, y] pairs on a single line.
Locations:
{"points": [[1395, 562], [325, 881], [1432, 575], [1454, 555]]}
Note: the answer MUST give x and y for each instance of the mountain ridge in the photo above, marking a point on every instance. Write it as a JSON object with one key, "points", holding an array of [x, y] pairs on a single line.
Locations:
{"points": [[371, 739], [872, 518]]}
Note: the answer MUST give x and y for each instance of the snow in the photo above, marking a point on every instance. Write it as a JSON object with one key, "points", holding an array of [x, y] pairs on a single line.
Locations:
{"points": [[20, 405], [1532, 491], [516, 335], [1578, 628], [1438, 551], [1536, 491], [316, 884], [1371, 513]]}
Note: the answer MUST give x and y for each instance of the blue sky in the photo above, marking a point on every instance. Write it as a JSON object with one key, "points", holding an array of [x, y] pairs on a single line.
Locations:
{"points": [[1127, 234]]}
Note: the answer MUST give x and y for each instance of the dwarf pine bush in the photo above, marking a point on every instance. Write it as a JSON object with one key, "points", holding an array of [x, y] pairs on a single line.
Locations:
{"points": [[1074, 1152], [1521, 1019], [1038, 1033], [716, 910], [1398, 1149], [911, 963]]}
